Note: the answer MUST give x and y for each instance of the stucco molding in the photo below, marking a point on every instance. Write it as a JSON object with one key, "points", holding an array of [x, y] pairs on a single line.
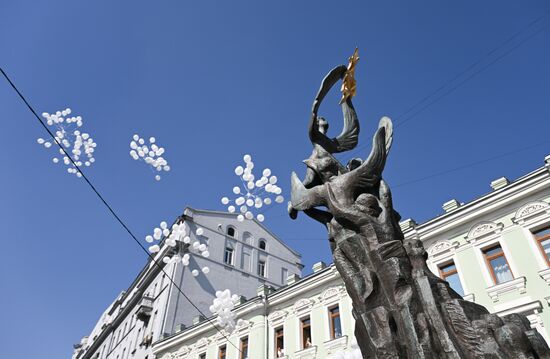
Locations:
{"points": [[531, 212], [308, 353], [243, 327], [484, 230], [545, 274], [519, 284], [334, 345], [277, 318], [442, 248], [332, 295], [303, 306], [202, 343]]}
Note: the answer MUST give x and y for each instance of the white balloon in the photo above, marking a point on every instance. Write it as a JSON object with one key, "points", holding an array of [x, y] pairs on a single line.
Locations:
{"points": [[236, 190], [206, 270], [239, 170], [247, 158], [240, 218], [163, 225], [267, 200], [273, 179], [40, 141], [154, 248], [231, 209], [250, 185], [149, 239], [186, 239], [199, 231], [166, 260], [205, 254], [165, 232], [243, 209], [157, 177], [225, 200], [249, 215], [260, 217], [266, 172], [152, 140], [250, 202], [195, 272], [279, 199], [239, 201]]}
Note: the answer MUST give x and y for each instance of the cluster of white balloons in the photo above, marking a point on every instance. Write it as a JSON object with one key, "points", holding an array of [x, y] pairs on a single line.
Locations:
{"points": [[150, 154], [79, 145], [354, 353], [255, 193], [223, 306], [172, 237]]}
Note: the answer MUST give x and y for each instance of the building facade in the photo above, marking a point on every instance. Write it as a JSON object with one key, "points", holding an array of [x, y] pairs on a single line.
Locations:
{"points": [[494, 250], [243, 256]]}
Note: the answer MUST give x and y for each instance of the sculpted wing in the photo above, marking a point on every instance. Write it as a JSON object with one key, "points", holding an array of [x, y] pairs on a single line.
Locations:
{"points": [[347, 140], [370, 172]]}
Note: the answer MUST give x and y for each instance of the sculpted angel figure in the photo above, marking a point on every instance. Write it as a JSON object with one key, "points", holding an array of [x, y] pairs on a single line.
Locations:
{"points": [[322, 165]]}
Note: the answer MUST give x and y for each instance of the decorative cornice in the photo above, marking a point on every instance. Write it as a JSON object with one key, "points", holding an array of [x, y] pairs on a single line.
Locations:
{"points": [[483, 229], [331, 294], [303, 306], [442, 247], [277, 318], [530, 211], [518, 284]]}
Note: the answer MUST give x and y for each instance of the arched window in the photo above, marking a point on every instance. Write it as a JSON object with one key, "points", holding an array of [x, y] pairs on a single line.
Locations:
{"points": [[262, 244], [231, 232]]}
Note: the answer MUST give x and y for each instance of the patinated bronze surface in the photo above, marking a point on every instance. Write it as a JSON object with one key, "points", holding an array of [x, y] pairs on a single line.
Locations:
{"points": [[402, 309]]}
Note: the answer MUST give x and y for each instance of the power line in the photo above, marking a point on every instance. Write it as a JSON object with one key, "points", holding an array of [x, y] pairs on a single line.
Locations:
{"points": [[111, 210], [472, 164], [466, 70], [474, 64]]}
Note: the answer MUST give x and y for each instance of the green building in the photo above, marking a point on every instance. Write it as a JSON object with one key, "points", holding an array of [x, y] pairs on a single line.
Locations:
{"points": [[494, 250]]}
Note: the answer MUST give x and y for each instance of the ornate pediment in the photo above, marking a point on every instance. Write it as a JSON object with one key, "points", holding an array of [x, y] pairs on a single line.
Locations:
{"points": [[530, 210], [303, 306], [331, 294], [442, 247], [202, 343], [483, 229], [277, 317]]}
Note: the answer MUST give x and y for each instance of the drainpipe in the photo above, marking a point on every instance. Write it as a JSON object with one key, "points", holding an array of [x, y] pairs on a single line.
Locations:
{"points": [[266, 326]]}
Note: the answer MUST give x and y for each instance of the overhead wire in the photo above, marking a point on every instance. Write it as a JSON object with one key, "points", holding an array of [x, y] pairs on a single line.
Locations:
{"points": [[111, 210]]}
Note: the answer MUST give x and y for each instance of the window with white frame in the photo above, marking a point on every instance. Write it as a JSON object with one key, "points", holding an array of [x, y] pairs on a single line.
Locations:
{"points": [[542, 237], [449, 273], [228, 256], [497, 264]]}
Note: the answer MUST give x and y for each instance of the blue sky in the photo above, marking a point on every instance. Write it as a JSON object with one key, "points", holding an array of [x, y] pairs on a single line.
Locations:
{"points": [[213, 81]]}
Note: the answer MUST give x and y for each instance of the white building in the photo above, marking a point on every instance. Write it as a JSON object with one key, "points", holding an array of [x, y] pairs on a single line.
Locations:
{"points": [[243, 255]]}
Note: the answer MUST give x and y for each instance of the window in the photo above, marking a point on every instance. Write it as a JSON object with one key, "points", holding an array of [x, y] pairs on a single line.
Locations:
{"points": [[334, 322], [202, 356], [284, 275], [261, 268], [228, 256], [231, 232], [223, 352], [543, 239], [244, 348], [262, 244], [449, 273], [279, 342], [498, 265], [305, 325]]}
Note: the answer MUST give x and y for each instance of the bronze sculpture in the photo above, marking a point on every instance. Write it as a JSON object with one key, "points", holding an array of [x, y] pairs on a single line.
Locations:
{"points": [[402, 310]]}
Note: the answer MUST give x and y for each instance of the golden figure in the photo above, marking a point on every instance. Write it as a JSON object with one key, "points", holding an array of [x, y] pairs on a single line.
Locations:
{"points": [[349, 85]]}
